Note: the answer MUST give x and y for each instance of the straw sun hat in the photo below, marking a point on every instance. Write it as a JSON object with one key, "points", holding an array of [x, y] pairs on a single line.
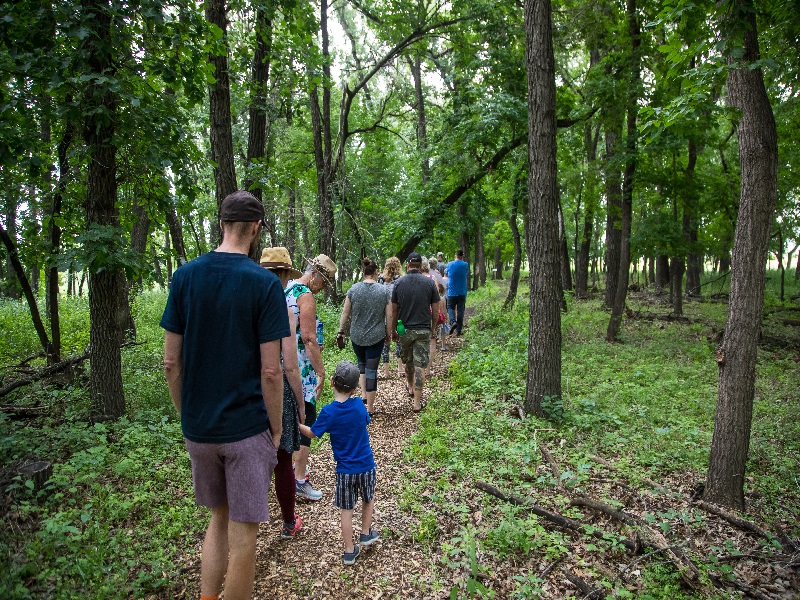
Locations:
{"points": [[278, 259], [323, 265]]}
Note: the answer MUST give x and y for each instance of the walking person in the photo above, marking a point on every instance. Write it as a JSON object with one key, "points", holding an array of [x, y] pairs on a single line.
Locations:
{"points": [[223, 322], [457, 275], [415, 301], [367, 310], [392, 270], [279, 262], [320, 273], [346, 420]]}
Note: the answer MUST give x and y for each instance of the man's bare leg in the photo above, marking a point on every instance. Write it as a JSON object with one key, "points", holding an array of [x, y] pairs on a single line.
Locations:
{"points": [[419, 383], [214, 556], [242, 562]]}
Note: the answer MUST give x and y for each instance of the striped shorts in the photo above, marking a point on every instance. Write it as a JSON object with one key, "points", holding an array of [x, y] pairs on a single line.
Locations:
{"points": [[349, 486]]}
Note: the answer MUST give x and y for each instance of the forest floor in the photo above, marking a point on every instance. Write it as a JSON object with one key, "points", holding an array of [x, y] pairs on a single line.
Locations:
{"points": [[424, 551], [310, 565]]}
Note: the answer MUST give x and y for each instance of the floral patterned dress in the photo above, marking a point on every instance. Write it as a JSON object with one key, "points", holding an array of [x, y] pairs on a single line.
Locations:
{"points": [[308, 375]]}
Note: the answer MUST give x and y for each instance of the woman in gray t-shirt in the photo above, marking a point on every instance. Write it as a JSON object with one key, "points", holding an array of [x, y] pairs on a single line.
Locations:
{"points": [[366, 308]]}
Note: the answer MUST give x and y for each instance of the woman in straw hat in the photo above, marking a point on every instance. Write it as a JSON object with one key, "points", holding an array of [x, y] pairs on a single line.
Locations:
{"points": [[319, 274], [279, 262]]}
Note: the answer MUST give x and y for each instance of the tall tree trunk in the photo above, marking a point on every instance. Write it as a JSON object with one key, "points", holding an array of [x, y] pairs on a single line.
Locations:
{"points": [[618, 308], [291, 203], [690, 222], [566, 272], [479, 277], [422, 123], [497, 273], [105, 285], [257, 131], [168, 252], [519, 192], [219, 101], [19, 272], [544, 337], [613, 133], [582, 251], [736, 355], [12, 284], [175, 231], [662, 272]]}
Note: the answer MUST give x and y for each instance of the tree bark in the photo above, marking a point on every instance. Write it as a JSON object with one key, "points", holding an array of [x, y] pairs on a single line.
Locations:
{"points": [[219, 101], [175, 232], [736, 355], [621, 292], [582, 253], [498, 263], [544, 337], [566, 272], [613, 133], [662, 272], [106, 285], [519, 191], [479, 264], [257, 128], [12, 286], [422, 122]]}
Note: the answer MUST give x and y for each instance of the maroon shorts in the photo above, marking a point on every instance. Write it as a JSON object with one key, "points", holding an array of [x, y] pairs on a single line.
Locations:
{"points": [[237, 474]]}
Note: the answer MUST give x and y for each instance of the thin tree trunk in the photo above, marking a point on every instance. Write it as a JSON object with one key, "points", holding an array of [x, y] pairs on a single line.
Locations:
{"points": [[519, 191], [19, 272], [105, 285], [582, 251], [176, 233], [613, 133], [566, 272], [168, 252], [618, 308], [736, 355], [422, 123], [12, 285], [498, 263], [544, 336], [479, 264], [219, 101], [291, 208], [662, 272]]}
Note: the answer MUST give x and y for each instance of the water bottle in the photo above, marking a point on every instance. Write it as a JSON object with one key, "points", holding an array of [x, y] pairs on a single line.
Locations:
{"points": [[320, 334], [401, 329]]}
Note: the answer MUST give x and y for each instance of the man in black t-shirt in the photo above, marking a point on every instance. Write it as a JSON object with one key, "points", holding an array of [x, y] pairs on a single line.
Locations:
{"points": [[224, 320], [415, 301]]}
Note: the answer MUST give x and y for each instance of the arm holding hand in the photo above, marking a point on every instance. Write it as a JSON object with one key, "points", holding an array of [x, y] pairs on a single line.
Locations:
{"points": [[306, 431], [272, 387]]}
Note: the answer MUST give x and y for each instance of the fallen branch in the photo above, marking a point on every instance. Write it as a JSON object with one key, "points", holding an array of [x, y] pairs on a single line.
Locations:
{"points": [[22, 412], [44, 373], [556, 518], [734, 520], [585, 588], [639, 559]]}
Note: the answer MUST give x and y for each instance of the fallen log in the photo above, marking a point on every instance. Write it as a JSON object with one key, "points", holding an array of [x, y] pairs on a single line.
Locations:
{"points": [[556, 518], [44, 373], [588, 591], [23, 412], [734, 520]]}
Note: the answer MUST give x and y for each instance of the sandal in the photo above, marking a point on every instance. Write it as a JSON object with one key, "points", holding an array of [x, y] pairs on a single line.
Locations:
{"points": [[421, 408]]}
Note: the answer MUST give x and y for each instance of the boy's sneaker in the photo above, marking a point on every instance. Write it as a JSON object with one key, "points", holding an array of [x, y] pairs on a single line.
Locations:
{"points": [[366, 539], [288, 531], [350, 557], [304, 490]]}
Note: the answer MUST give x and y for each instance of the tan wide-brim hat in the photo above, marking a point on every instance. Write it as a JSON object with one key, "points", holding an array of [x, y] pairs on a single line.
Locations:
{"points": [[323, 265], [278, 259]]}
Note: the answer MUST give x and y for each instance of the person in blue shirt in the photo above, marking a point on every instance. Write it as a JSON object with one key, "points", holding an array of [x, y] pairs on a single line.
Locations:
{"points": [[458, 274], [346, 420]]}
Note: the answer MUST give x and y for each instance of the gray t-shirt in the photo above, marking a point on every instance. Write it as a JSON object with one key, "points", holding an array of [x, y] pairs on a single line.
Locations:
{"points": [[368, 301], [414, 294]]}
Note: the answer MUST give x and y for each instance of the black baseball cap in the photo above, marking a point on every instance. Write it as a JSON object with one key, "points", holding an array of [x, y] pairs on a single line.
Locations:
{"points": [[346, 375], [415, 257], [240, 207]]}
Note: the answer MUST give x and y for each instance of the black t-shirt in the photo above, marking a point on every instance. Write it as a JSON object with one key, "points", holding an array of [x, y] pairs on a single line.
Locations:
{"points": [[225, 306], [414, 293]]}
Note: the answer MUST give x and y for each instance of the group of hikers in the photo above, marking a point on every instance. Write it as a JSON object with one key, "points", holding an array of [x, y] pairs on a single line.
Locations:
{"points": [[243, 363]]}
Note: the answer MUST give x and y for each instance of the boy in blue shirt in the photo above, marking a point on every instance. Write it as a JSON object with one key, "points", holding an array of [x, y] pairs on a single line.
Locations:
{"points": [[346, 419]]}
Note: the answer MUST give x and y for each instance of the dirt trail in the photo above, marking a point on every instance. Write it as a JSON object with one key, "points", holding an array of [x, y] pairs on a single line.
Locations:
{"points": [[310, 566]]}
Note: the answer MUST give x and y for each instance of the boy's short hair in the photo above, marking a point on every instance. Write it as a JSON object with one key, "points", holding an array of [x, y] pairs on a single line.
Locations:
{"points": [[345, 377]]}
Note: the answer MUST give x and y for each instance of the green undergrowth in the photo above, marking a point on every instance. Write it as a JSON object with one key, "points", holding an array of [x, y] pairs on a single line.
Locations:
{"points": [[117, 519], [646, 403]]}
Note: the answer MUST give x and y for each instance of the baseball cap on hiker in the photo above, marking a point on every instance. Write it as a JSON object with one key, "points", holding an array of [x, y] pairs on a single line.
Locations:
{"points": [[323, 265], [346, 375], [278, 259], [415, 257], [240, 207]]}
